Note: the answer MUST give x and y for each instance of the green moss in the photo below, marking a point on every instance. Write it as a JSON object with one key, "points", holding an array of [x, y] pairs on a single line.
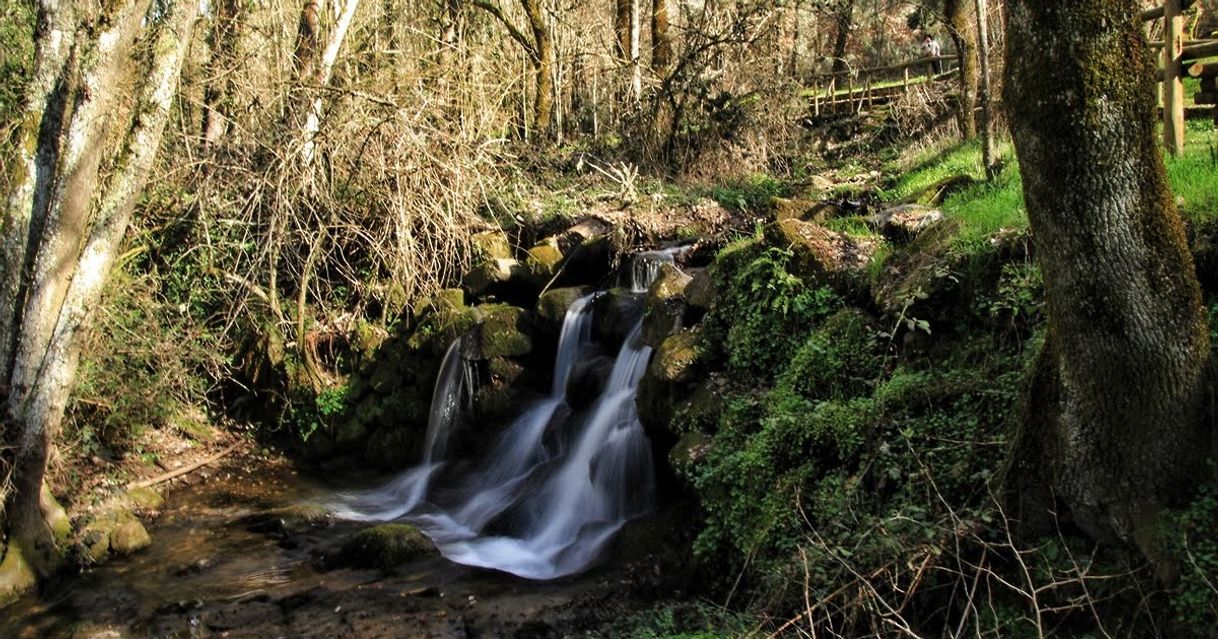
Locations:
{"points": [[841, 360], [386, 546], [16, 575], [503, 331]]}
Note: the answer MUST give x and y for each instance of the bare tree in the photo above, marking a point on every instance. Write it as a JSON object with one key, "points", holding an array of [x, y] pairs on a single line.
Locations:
{"points": [[661, 43], [539, 45], [64, 222]]}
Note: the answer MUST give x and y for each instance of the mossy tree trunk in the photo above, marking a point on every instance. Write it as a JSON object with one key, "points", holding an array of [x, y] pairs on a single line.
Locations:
{"points": [[538, 44], [71, 208], [1116, 411], [962, 23], [844, 17]]}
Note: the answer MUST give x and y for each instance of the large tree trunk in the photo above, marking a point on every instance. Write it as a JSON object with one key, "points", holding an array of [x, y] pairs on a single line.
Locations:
{"points": [[986, 117], [80, 226], [322, 69], [963, 24], [1116, 412], [543, 66]]}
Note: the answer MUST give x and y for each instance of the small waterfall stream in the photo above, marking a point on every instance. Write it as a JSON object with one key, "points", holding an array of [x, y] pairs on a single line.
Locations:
{"points": [[556, 485]]}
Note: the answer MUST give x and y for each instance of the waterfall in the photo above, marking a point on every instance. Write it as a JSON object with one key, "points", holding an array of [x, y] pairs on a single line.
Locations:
{"points": [[645, 267], [405, 492], [556, 485]]}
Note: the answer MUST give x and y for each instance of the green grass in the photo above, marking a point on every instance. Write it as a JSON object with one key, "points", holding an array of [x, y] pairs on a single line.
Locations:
{"points": [[989, 207], [1194, 174]]}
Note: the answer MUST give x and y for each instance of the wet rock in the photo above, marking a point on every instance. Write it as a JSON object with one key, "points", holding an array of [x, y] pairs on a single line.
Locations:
{"points": [[385, 546], [129, 536], [491, 245], [588, 377], [287, 520], [665, 304], [903, 223], [677, 358], [146, 498], [615, 314], [820, 251], [552, 306], [503, 331]]}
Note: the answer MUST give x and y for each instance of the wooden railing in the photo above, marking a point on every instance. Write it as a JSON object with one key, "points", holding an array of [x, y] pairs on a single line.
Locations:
{"points": [[1181, 59], [859, 88]]}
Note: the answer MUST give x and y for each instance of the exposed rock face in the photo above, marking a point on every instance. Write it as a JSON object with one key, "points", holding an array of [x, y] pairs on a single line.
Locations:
{"points": [[665, 305], [503, 331], [503, 277], [615, 313], [492, 245], [702, 290]]}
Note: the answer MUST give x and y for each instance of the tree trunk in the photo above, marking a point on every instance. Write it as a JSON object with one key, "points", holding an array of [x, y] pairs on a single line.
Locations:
{"points": [[83, 223], [844, 18], [661, 45], [543, 65], [324, 68], [636, 48], [621, 27], [223, 41], [1116, 411], [963, 31], [986, 121]]}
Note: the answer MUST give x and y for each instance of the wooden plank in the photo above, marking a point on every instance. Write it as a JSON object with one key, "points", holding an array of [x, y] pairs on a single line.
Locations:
{"points": [[1173, 86]]}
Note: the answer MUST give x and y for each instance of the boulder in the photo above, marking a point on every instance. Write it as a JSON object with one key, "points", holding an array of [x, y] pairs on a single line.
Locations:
{"points": [[385, 546], [821, 252], [582, 253], [491, 245], [917, 281], [543, 261], [702, 290], [552, 306], [504, 278], [128, 537], [787, 209], [287, 520], [936, 193], [114, 530], [665, 304], [146, 498], [615, 314], [677, 358], [588, 378], [503, 331], [903, 223]]}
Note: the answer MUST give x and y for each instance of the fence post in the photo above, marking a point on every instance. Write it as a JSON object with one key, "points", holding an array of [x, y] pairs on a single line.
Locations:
{"points": [[1173, 86]]}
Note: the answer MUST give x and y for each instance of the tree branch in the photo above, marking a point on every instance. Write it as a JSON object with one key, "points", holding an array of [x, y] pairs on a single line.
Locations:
{"points": [[495, 10]]}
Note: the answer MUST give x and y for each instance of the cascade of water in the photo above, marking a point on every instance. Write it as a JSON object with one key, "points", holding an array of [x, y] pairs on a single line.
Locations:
{"points": [[645, 267], [406, 491], [553, 509]]}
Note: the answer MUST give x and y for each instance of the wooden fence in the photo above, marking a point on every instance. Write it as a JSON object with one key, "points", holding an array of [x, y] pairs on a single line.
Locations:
{"points": [[1182, 59]]}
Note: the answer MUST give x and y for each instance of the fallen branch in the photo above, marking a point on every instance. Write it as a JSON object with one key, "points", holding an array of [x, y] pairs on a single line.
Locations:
{"points": [[144, 483]]}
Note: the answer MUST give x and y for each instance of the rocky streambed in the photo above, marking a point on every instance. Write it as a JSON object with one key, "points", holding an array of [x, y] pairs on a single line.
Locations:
{"points": [[244, 554]]}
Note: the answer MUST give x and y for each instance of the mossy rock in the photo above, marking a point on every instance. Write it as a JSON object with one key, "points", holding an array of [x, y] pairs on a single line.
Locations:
{"points": [[385, 547], [368, 339], [788, 209], [553, 305], [820, 252], [544, 260], [491, 245], [146, 498], [678, 357], [446, 303], [503, 331], [350, 435], [918, 281], [192, 422], [903, 223], [505, 278], [16, 575], [935, 194], [665, 305], [287, 520], [406, 407], [129, 536]]}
